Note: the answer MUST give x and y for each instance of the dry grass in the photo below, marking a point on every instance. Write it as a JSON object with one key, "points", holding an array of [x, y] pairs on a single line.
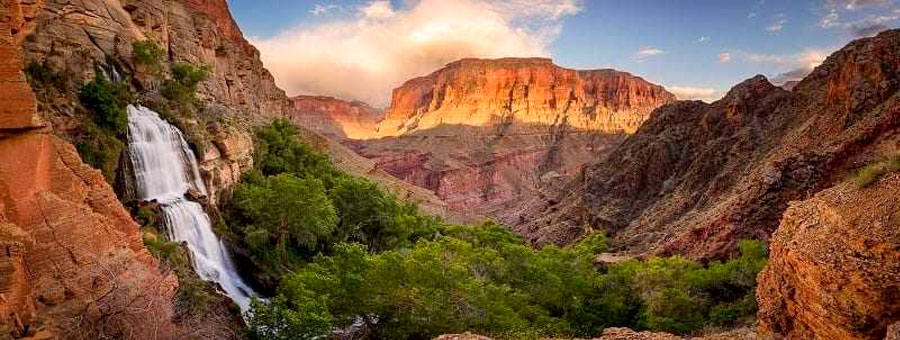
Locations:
{"points": [[870, 173]]}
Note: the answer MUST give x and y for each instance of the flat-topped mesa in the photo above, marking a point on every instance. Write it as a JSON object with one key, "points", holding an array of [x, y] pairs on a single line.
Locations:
{"points": [[335, 118], [484, 92]]}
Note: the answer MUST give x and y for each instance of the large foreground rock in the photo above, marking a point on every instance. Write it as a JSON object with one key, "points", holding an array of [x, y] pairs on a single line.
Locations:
{"points": [[834, 268]]}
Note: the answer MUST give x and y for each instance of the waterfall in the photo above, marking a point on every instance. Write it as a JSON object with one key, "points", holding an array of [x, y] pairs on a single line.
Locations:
{"points": [[165, 168]]}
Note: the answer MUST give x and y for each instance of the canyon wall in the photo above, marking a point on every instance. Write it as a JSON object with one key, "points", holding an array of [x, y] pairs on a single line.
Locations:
{"points": [[334, 118], [530, 91], [486, 135], [69, 244], [697, 177]]}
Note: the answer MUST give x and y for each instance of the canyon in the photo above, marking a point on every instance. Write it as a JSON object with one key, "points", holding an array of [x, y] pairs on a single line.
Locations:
{"points": [[765, 163], [553, 153], [487, 134]]}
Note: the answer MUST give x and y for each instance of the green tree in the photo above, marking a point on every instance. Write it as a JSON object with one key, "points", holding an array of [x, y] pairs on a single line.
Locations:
{"points": [[289, 209], [107, 100]]}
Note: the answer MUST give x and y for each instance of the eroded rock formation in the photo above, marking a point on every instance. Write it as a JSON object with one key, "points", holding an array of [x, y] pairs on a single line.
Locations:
{"points": [[697, 177], [335, 118], [483, 133], [65, 237], [834, 271], [485, 92]]}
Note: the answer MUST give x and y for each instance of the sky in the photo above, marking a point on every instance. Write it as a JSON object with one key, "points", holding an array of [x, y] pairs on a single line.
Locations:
{"points": [[697, 49]]}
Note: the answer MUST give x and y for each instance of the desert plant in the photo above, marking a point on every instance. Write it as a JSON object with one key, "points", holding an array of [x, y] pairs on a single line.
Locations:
{"points": [[868, 174], [148, 54]]}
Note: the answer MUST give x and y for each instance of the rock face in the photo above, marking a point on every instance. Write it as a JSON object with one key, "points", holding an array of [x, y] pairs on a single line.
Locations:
{"points": [[482, 133], [65, 235], [484, 92], [697, 177], [201, 32], [335, 118], [834, 271]]}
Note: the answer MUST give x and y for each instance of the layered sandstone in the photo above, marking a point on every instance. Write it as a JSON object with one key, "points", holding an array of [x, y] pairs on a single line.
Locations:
{"points": [[697, 177], [834, 271], [335, 118], [67, 240], [482, 133], [534, 91]]}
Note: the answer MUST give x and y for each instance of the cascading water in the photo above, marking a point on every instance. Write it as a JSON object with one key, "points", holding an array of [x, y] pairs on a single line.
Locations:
{"points": [[165, 170]]}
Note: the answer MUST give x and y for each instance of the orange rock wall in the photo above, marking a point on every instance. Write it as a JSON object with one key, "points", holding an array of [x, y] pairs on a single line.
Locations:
{"points": [[482, 92], [335, 118]]}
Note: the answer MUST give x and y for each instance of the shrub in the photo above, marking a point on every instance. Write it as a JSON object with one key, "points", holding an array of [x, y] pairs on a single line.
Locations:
{"points": [[183, 84], [40, 75], [107, 100], [100, 148], [868, 174], [484, 279], [149, 54]]}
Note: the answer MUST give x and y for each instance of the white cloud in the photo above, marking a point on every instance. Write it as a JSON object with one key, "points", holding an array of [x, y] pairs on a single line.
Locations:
{"points": [[855, 4], [751, 15], [370, 50], [724, 57], [645, 53], [377, 10], [796, 65], [777, 26], [861, 18], [319, 9], [696, 93], [703, 39], [830, 20]]}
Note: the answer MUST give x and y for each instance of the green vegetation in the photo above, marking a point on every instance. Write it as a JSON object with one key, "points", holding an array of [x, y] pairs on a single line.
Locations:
{"points": [[107, 99], [183, 84], [486, 280], [344, 252], [100, 141], [870, 173], [148, 54], [41, 76], [295, 204]]}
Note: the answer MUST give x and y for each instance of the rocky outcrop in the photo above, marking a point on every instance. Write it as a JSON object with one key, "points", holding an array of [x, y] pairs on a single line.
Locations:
{"points": [[66, 239], [225, 159], [697, 177], [72, 37], [834, 268], [352, 163], [482, 133], [335, 118], [485, 92]]}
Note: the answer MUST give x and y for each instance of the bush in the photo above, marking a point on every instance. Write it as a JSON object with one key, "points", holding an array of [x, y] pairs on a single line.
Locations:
{"points": [[41, 76], [868, 174], [107, 100], [183, 84], [100, 148], [148, 54]]}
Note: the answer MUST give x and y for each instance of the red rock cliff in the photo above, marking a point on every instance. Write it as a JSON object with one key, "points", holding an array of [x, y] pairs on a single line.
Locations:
{"points": [[485, 135], [482, 92], [335, 118], [696, 177], [68, 244]]}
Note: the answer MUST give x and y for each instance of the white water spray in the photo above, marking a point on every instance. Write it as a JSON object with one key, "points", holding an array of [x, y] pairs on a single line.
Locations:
{"points": [[165, 169]]}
